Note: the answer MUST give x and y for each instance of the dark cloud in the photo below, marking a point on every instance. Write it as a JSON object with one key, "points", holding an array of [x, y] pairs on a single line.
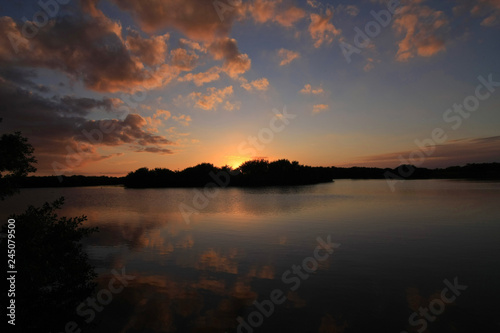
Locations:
{"points": [[82, 106], [197, 19], [90, 49], [455, 152], [22, 77], [62, 136], [117, 132], [156, 150]]}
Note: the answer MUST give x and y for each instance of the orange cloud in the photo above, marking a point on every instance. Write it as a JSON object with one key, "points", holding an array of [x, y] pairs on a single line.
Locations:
{"points": [[289, 16], [235, 63], [488, 8], [232, 106], [100, 57], [308, 89], [260, 84], [370, 64], [193, 45], [156, 120], [182, 119], [321, 30], [151, 51], [424, 31], [199, 79], [263, 11], [184, 60], [212, 99], [313, 3], [318, 108], [197, 19], [287, 56]]}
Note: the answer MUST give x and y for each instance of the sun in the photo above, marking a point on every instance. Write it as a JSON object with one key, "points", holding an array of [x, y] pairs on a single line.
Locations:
{"points": [[235, 161]]}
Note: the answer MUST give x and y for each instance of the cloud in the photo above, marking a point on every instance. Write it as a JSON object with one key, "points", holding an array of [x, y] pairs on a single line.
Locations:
{"points": [[318, 108], [183, 59], [289, 16], [370, 64], [308, 89], [90, 49], [212, 99], [313, 3], [321, 30], [193, 45], [22, 77], [260, 84], [199, 79], [263, 11], [61, 134], [156, 150], [82, 105], [151, 51], [235, 63], [182, 119], [196, 19], [424, 30], [157, 119], [455, 152], [488, 10], [232, 106], [129, 130], [287, 56], [350, 10]]}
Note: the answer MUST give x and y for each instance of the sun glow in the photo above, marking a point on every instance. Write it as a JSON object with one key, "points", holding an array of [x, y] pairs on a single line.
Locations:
{"points": [[235, 161]]}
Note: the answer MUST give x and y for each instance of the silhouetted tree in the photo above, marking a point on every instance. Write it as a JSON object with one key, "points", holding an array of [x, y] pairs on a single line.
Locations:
{"points": [[16, 161], [54, 273]]}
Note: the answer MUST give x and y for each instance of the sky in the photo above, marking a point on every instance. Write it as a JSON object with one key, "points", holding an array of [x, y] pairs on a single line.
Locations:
{"points": [[107, 87]]}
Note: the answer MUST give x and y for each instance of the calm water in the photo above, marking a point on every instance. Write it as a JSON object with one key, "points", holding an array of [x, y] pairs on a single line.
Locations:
{"points": [[396, 250]]}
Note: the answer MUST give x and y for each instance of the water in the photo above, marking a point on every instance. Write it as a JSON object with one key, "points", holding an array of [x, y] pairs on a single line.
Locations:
{"points": [[396, 250]]}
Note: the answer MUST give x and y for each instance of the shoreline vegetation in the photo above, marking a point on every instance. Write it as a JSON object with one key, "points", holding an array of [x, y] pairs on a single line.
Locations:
{"points": [[259, 173]]}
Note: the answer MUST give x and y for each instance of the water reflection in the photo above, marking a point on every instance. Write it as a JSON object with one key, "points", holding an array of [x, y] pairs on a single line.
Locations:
{"points": [[396, 250]]}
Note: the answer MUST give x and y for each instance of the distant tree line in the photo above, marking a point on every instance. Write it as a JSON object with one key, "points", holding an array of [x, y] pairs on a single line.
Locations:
{"points": [[70, 181], [262, 173]]}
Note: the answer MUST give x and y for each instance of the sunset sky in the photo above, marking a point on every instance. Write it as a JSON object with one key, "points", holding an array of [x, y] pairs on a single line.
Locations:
{"points": [[106, 87]]}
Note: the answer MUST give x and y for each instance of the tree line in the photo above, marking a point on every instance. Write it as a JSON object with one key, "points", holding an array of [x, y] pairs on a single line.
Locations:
{"points": [[261, 173]]}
